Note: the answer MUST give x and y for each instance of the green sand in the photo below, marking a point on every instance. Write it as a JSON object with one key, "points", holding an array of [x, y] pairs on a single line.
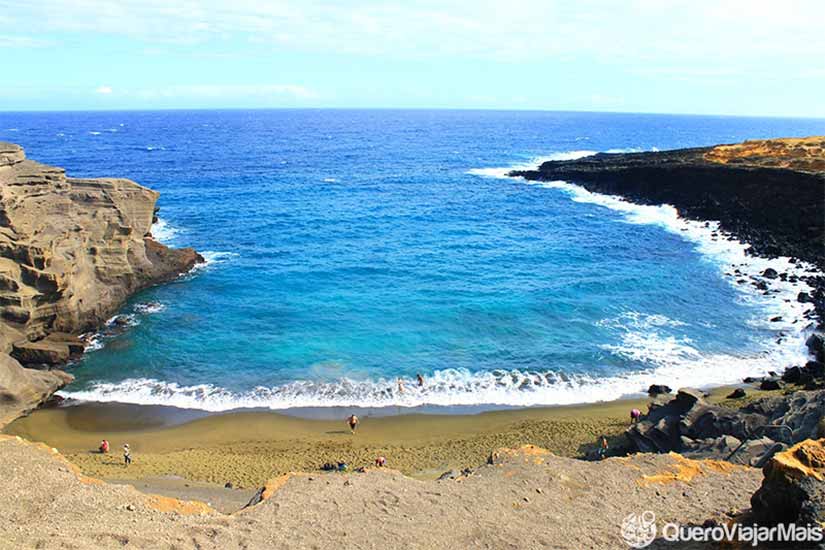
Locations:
{"points": [[247, 448]]}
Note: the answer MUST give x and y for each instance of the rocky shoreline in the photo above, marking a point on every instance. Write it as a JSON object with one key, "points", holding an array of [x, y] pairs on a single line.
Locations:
{"points": [[72, 251], [769, 194]]}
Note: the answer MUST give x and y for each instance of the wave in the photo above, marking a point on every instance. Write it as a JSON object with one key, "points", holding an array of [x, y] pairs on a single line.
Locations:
{"points": [[503, 172], [676, 365], [780, 312], [94, 133], [148, 308], [163, 232]]}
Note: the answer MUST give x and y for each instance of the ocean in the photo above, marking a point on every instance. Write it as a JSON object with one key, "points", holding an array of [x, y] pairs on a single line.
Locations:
{"points": [[349, 250]]}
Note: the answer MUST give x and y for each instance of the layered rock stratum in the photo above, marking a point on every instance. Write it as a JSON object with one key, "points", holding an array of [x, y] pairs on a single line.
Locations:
{"points": [[71, 252]]}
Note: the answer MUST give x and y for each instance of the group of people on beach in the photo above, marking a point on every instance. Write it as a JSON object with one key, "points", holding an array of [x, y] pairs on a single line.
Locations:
{"points": [[127, 452]]}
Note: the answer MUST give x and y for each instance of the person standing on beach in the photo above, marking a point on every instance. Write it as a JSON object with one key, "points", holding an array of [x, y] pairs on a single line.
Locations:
{"points": [[603, 448], [635, 415], [352, 421], [127, 455]]}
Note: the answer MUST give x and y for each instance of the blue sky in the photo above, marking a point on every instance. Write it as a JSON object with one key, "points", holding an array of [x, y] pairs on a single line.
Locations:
{"points": [[731, 57]]}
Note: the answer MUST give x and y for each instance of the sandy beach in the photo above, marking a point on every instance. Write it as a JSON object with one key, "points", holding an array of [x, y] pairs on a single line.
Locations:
{"points": [[247, 448]]}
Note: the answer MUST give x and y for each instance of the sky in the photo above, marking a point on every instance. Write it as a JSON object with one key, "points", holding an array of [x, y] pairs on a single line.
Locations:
{"points": [[727, 57]]}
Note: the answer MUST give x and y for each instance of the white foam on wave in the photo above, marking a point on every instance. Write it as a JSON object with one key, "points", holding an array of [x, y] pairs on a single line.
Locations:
{"points": [[163, 231], [149, 308], [532, 164], [670, 355], [94, 133], [212, 258], [330, 180]]}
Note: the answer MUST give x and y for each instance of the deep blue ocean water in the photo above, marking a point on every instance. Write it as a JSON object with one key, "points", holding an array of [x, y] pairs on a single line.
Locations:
{"points": [[350, 248]]}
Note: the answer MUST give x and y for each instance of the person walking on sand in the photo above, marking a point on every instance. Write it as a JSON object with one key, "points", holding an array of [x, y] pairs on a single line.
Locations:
{"points": [[127, 455], [603, 448], [352, 421]]}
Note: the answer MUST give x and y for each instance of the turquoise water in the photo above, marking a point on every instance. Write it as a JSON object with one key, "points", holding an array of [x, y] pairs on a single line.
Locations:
{"points": [[350, 248]]}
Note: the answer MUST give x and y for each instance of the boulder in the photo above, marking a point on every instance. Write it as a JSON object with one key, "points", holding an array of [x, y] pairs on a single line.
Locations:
{"points": [[793, 490], [450, 474], [738, 393], [770, 384], [804, 298], [658, 389], [792, 375], [770, 273], [815, 343]]}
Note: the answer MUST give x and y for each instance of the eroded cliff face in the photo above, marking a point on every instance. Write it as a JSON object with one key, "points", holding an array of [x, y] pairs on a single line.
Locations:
{"points": [[71, 251]]}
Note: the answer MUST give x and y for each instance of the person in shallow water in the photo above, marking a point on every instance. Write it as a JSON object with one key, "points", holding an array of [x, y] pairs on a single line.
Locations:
{"points": [[400, 386], [352, 421], [127, 455], [420, 380]]}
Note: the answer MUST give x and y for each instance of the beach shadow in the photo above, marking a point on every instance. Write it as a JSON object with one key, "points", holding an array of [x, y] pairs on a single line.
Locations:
{"points": [[337, 432]]}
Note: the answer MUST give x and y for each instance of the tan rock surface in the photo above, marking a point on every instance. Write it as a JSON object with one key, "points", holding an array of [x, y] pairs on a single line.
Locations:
{"points": [[527, 499], [802, 154], [71, 251]]}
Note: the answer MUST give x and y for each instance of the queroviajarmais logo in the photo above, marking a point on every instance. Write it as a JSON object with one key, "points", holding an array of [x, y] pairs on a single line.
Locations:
{"points": [[639, 530]]}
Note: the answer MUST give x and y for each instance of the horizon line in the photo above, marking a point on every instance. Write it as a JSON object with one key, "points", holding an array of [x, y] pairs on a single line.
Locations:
{"points": [[467, 109]]}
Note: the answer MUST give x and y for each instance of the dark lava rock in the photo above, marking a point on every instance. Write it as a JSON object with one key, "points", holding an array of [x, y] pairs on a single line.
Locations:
{"points": [[770, 273], [658, 389], [738, 393], [793, 490], [804, 297], [751, 380], [776, 319], [792, 375], [450, 474], [770, 384], [815, 343]]}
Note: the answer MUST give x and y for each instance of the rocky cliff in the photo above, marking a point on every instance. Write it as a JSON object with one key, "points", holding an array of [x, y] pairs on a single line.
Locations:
{"points": [[768, 193], [71, 252]]}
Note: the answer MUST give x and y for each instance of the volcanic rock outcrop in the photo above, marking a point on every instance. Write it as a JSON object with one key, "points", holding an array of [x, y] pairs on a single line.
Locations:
{"points": [[71, 252], [793, 490], [767, 193], [750, 435]]}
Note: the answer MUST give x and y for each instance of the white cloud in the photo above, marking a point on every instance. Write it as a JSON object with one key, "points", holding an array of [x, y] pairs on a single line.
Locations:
{"points": [[104, 90], [235, 91], [630, 31]]}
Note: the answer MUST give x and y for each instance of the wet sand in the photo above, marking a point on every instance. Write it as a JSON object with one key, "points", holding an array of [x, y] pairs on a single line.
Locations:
{"points": [[246, 448]]}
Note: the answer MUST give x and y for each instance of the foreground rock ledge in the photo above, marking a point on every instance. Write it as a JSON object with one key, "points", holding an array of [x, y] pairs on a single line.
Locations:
{"points": [[71, 252], [528, 498]]}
